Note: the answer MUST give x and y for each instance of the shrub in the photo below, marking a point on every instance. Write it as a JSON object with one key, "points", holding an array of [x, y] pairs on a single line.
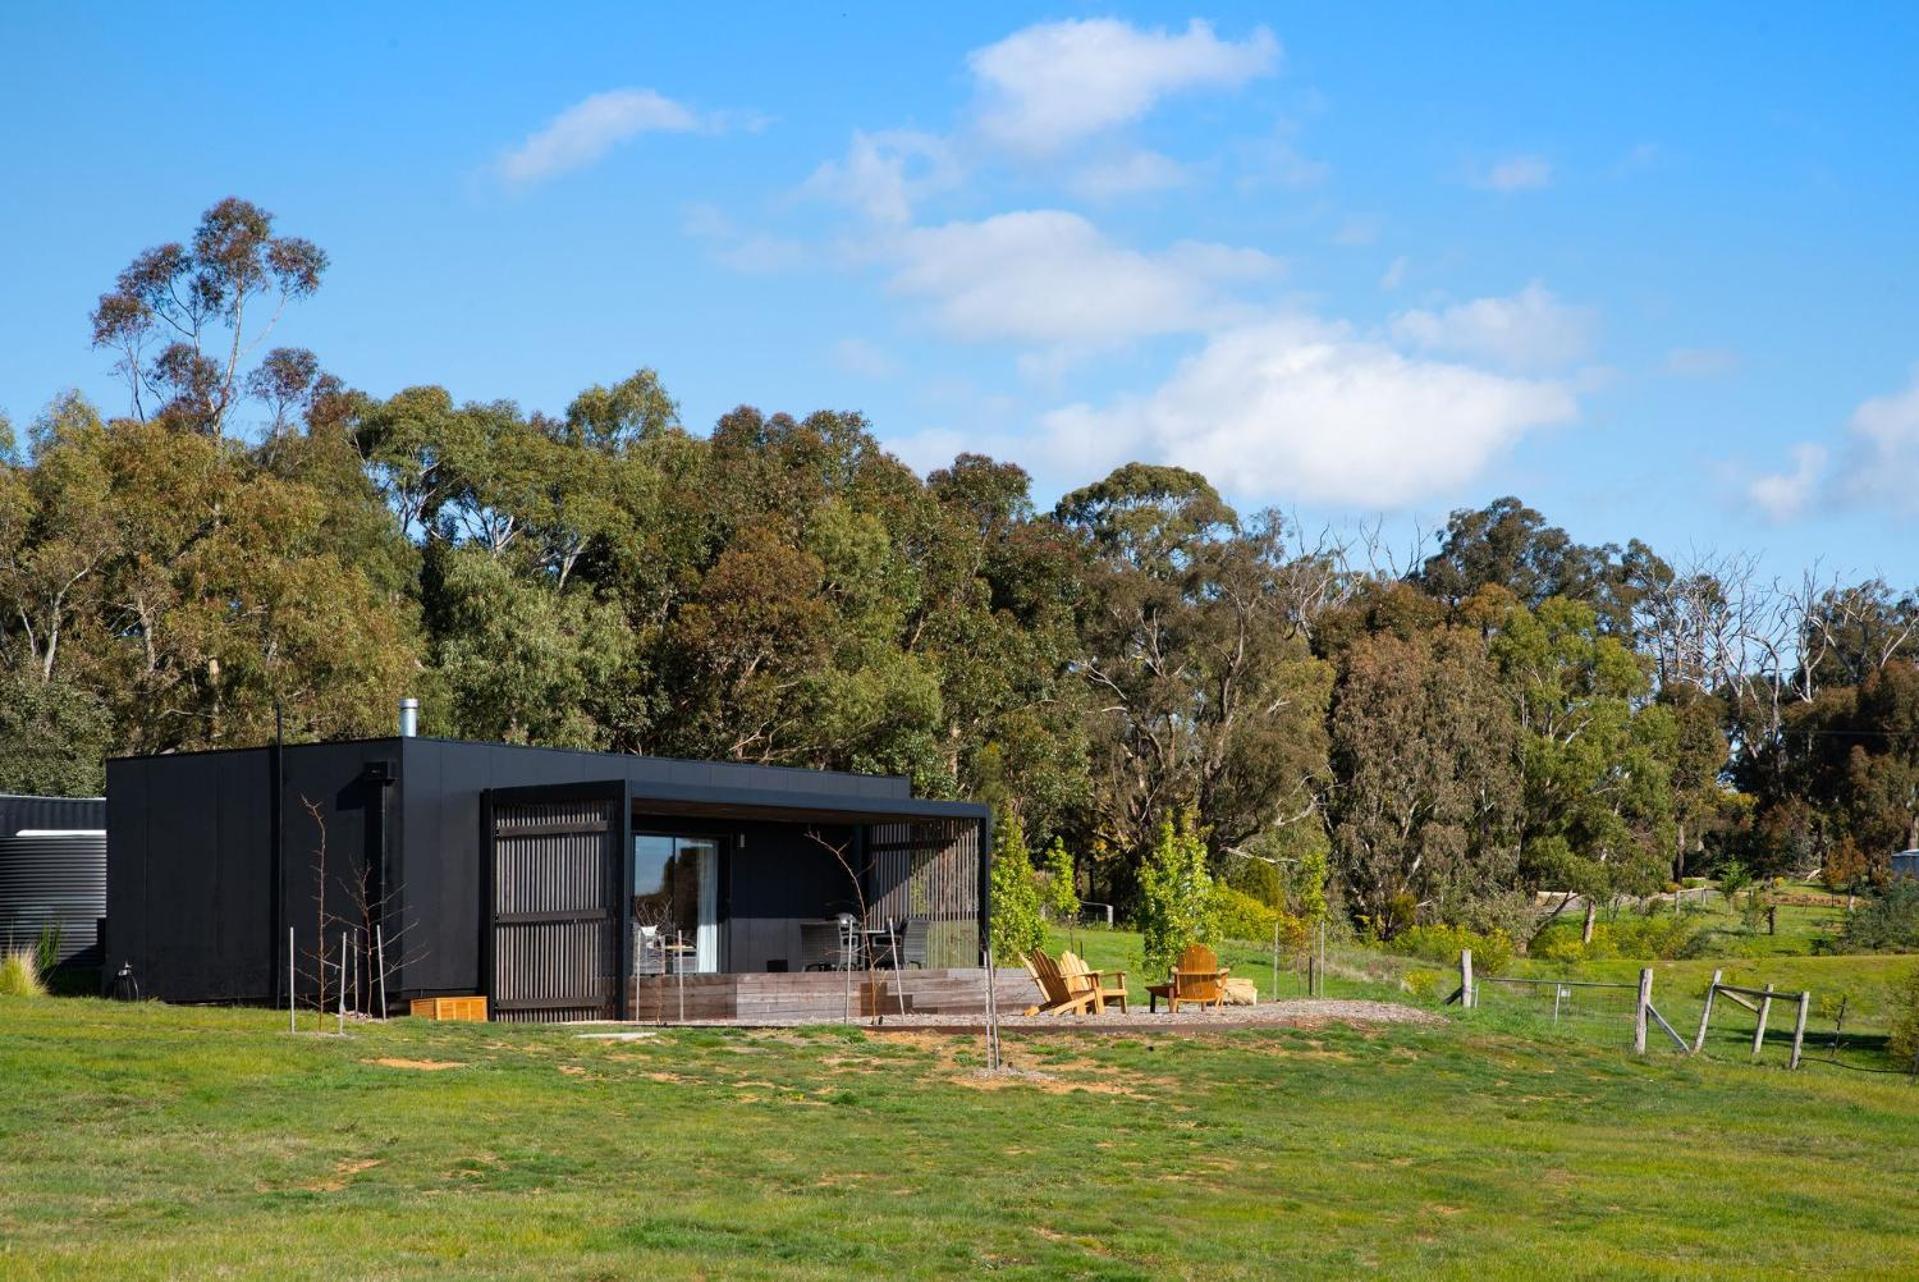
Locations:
{"points": [[46, 950], [1733, 878], [1904, 1040], [1016, 922], [1423, 984], [1060, 895], [20, 975], [1663, 937], [1492, 950], [1310, 877], [1887, 923], [1560, 943], [1176, 902], [1240, 916]]}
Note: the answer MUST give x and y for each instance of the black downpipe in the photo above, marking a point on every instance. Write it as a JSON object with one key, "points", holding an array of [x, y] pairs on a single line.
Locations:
{"points": [[382, 775], [278, 820], [621, 830], [487, 905]]}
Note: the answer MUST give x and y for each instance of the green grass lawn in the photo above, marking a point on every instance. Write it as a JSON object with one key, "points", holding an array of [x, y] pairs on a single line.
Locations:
{"points": [[1794, 930], [140, 1141]]}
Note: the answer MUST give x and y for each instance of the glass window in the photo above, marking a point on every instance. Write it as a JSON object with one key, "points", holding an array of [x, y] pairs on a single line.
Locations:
{"points": [[675, 904]]}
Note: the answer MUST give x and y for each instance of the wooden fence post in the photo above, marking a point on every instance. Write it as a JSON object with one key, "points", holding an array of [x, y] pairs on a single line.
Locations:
{"points": [[1799, 1029], [1759, 1033], [1275, 956], [1705, 1016], [1639, 1012], [1466, 996]]}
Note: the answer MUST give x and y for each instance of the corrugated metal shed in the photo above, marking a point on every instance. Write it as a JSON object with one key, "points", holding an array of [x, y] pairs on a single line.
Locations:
{"points": [[53, 873], [1906, 864], [29, 813]]}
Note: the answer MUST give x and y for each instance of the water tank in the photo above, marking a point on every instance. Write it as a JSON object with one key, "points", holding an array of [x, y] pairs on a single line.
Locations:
{"points": [[53, 873], [1906, 864]]}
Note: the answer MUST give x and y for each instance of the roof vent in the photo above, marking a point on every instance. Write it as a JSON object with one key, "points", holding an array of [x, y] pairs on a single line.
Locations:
{"points": [[409, 718]]}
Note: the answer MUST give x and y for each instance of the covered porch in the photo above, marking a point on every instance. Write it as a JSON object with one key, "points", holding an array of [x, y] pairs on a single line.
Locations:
{"points": [[605, 902]]}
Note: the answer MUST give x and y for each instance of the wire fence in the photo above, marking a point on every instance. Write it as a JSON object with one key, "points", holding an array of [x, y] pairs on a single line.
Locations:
{"points": [[1836, 1034], [1600, 1010]]}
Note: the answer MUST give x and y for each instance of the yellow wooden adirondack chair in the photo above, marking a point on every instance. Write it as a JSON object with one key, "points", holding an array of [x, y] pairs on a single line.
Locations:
{"points": [[1058, 994], [1081, 976], [1199, 979]]}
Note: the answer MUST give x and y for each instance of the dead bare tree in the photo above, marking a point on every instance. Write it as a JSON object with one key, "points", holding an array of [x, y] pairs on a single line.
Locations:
{"points": [[859, 897], [323, 919], [384, 940], [357, 960]]}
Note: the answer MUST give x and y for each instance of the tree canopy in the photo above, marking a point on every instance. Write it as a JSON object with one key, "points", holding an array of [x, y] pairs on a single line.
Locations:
{"points": [[1519, 713]]}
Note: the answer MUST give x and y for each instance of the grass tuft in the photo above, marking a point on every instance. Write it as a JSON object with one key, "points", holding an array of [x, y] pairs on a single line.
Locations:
{"points": [[20, 975]]}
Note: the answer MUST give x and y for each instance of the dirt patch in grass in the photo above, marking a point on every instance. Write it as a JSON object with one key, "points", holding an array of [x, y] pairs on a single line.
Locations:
{"points": [[418, 1065], [343, 1170], [984, 1079]]}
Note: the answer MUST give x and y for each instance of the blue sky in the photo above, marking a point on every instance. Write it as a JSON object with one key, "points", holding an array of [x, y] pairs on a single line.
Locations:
{"points": [[1652, 269]]}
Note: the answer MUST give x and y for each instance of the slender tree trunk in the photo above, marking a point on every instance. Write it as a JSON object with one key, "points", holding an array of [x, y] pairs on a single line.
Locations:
{"points": [[1592, 910]]}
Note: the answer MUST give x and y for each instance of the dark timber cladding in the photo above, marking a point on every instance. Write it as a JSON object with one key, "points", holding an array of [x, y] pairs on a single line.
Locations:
{"points": [[555, 872], [504, 870]]}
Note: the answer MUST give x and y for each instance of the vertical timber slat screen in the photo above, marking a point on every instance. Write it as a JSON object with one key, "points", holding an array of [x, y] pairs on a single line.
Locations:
{"points": [[928, 871], [555, 910]]}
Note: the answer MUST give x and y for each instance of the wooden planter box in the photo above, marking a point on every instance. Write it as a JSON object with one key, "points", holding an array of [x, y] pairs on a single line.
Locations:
{"points": [[463, 1008]]}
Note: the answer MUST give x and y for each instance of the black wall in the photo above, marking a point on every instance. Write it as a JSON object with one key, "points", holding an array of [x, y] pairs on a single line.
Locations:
{"points": [[777, 877], [197, 901]]}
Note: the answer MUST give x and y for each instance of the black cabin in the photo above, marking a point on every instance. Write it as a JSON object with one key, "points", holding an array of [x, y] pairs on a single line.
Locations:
{"points": [[543, 879]]}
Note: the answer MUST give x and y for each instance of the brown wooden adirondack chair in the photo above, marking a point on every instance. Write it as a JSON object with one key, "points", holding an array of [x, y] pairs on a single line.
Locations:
{"points": [[1058, 994], [1198, 979], [1080, 975]]}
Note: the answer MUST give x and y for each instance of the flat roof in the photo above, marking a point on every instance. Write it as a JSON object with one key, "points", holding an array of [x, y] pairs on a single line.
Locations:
{"points": [[490, 743]]}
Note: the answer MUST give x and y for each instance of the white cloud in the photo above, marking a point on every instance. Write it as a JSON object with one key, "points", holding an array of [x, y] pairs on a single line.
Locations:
{"points": [[859, 357], [1880, 464], [1875, 467], [1050, 277], [1275, 160], [1395, 274], [1528, 330], [1516, 173], [589, 129], [1302, 409], [1781, 496], [884, 174], [744, 251], [1052, 84], [1137, 171], [1359, 230], [1701, 362]]}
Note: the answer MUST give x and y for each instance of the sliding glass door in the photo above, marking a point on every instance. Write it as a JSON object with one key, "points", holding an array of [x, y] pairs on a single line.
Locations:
{"points": [[676, 899]]}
